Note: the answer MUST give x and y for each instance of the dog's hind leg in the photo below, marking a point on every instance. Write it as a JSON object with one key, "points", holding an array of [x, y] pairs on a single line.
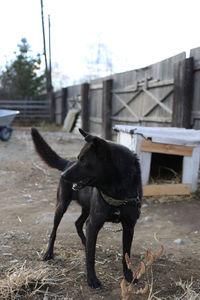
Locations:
{"points": [[63, 199], [79, 225], [128, 231]]}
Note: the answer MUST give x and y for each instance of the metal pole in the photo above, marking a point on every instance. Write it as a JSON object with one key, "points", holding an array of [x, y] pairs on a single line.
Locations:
{"points": [[50, 77], [44, 45]]}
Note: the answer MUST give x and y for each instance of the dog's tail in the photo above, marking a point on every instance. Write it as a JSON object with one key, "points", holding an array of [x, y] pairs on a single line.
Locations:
{"points": [[47, 154]]}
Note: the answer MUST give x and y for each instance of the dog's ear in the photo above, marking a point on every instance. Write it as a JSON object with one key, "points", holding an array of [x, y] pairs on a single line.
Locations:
{"points": [[95, 140], [84, 133], [99, 144], [88, 137]]}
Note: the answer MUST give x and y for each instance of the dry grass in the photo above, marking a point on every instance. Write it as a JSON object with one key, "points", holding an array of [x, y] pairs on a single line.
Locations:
{"points": [[188, 291], [24, 282], [172, 177], [49, 282]]}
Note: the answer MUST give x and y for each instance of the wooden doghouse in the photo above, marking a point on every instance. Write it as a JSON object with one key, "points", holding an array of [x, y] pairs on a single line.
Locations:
{"points": [[154, 143]]}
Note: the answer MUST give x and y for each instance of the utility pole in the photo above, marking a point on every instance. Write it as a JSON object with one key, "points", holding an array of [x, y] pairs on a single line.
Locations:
{"points": [[44, 45], [50, 78]]}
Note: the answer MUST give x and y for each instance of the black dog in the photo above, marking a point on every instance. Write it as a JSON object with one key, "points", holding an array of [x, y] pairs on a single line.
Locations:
{"points": [[110, 176]]}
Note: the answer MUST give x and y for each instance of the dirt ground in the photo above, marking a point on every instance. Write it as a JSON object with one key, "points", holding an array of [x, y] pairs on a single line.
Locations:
{"points": [[27, 201]]}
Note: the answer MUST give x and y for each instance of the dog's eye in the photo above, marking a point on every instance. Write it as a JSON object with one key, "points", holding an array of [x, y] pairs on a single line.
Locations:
{"points": [[82, 160]]}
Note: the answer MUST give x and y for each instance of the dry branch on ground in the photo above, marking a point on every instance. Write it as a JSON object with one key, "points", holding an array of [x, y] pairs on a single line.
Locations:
{"points": [[143, 265]]}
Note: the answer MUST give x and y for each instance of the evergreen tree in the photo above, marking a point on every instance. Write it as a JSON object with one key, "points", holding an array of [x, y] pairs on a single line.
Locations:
{"points": [[22, 77]]}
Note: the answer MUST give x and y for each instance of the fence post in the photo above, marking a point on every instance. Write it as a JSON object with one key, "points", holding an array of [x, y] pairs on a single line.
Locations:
{"points": [[107, 109], [183, 93], [64, 104], [85, 114], [52, 106]]}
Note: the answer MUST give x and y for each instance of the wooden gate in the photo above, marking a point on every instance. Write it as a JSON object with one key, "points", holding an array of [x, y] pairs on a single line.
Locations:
{"points": [[148, 103]]}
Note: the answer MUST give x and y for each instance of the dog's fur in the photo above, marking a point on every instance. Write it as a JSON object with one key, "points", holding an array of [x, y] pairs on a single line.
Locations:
{"points": [[103, 170]]}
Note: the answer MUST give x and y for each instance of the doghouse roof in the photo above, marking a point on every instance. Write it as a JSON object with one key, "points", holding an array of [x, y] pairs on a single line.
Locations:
{"points": [[165, 135]]}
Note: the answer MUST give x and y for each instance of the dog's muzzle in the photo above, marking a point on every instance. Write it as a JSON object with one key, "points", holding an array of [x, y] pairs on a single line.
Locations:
{"points": [[76, 185]]}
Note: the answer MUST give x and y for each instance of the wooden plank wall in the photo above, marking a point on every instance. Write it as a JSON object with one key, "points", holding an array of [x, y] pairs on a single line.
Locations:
{"points": [[65, 99], [195, 116], [142, 97], [157, 81], [58, 107], [96, 106], [74, 96]]}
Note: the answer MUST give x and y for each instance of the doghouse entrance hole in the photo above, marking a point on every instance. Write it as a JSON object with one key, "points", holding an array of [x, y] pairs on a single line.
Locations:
{"points": [[166, 168]]}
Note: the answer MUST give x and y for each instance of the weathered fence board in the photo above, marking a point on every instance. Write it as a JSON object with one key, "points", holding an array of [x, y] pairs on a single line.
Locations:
{"points": [[106, 109], [183, 93], [96, 106], [195, 115]]}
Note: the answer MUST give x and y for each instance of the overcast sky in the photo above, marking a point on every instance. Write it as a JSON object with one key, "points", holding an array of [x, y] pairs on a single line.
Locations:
{"points": [[136, 33]]}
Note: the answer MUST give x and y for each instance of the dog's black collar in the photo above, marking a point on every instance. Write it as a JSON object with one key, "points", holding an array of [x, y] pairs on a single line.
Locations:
{"points": [[117, 202]]}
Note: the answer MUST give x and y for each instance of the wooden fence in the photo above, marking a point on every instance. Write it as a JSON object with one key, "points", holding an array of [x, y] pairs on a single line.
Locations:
{"points": [[159, 95], [163, 94], [29, 109]]}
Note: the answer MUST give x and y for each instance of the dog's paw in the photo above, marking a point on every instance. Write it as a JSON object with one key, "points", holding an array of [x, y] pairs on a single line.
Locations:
{"points": [[94, 283], [128, 274], [83, 241], [48, 255]]}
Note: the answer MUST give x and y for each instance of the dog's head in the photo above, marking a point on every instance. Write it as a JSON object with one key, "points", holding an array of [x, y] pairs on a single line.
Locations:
{"points": [[93, 164]]}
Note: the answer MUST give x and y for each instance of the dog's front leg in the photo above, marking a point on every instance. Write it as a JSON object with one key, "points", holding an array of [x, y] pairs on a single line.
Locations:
{"points": [[128, 231], [92, 229]]}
